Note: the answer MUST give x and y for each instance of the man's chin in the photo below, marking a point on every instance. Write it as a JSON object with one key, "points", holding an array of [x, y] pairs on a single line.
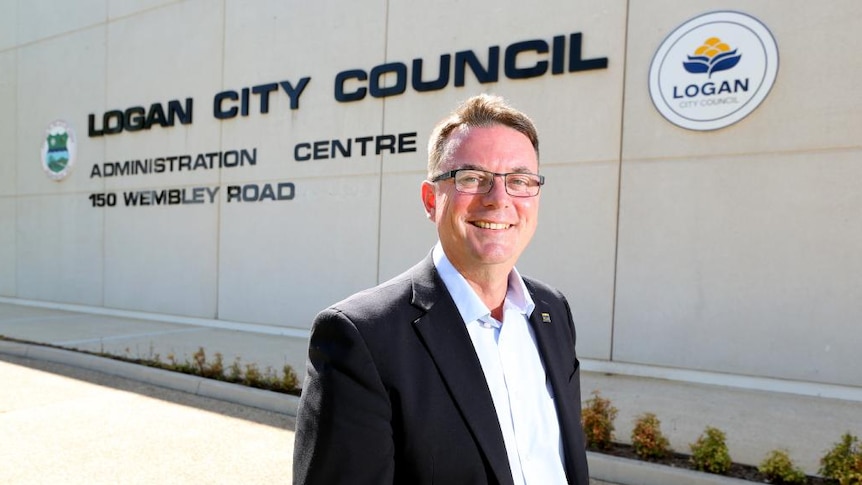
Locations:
{"points": [[494, 256]]}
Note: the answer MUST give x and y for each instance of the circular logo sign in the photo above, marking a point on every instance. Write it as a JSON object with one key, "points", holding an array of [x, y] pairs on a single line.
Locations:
{"points": [[713, 70], [58, 150]]}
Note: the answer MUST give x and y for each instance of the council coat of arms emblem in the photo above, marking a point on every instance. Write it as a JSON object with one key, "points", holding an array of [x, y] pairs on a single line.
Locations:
{"points": [[58, 150]]}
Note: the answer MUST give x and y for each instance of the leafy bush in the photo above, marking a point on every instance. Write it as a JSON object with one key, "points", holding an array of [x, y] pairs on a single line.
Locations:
{"points": [[598, 419], [289, 380], [647, 438], [211, 370], [709, 453], [253, 376], [777, 467], [844, 461]]}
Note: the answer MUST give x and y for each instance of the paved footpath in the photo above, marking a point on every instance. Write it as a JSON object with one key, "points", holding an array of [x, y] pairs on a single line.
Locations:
{"points": [[65, 425]]}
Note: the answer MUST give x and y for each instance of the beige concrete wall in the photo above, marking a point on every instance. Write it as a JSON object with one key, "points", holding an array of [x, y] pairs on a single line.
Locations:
{"points": [[8, 153], [738, 248], [732, 251]]}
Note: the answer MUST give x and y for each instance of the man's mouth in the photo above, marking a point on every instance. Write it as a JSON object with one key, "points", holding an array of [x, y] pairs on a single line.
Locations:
{"points": [[496, 226]]}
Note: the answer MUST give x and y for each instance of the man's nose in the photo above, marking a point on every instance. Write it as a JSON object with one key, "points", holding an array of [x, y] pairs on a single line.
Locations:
{"points": [[498, 192]]}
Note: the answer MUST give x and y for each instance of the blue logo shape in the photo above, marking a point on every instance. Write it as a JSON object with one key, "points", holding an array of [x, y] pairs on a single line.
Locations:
{"points": [[713, 56]]}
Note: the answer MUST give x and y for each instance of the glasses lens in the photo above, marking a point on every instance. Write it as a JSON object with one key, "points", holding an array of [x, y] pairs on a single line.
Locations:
{"points": [[473, 181], [522, 184]]}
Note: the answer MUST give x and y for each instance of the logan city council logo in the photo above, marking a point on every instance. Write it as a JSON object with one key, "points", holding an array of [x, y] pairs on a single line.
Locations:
{"points": [[58, 150], [713, 70]]}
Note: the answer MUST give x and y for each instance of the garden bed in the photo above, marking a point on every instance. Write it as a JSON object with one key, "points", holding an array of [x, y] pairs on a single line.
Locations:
{"points": [[683, 461]]}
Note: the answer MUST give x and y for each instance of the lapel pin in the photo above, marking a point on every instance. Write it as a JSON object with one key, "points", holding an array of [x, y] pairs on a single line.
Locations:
{"points": [[546, 318]]}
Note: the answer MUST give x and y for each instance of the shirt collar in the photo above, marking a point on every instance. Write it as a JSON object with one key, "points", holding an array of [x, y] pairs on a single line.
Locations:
{"points": [[469, 305]]}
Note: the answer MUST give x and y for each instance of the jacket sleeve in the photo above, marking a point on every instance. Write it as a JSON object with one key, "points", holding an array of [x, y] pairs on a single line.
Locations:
{"points": [[343, 427]]}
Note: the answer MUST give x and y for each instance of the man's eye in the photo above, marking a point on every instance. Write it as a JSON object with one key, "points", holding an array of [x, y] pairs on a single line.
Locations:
{"points": [[519, 181], [471, 178]]}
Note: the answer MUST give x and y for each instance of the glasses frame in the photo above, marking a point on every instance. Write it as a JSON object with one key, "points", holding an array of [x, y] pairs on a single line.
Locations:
{"points": [[452, 173]]}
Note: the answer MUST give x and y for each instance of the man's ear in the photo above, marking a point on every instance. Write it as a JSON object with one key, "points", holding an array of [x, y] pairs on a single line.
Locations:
{"points": [[429, 200]]}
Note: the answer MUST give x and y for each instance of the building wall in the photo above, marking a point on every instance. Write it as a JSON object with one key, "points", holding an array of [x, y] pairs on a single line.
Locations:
{"points": [[734, 250]]}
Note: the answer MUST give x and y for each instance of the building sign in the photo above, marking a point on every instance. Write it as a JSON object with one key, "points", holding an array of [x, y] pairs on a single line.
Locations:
{"points": [[58, 150], [518, 61], [522, 60], [713, 70]]}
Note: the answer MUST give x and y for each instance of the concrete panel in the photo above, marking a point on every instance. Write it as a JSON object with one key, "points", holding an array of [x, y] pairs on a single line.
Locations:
{"points": [[41, 19], [281, 35], [125, 8], [61, 78], [809, 107], [281, 262], [182, 61], [8, 122], [8, 24], [8, 252], [59, 249], [162, 259], [572, 109], [745, 265], [406, 235], [573, 248]]}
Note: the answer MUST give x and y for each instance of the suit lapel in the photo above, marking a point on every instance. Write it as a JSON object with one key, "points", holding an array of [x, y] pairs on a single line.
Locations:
{"points": [[551, 335], [445, 336]]}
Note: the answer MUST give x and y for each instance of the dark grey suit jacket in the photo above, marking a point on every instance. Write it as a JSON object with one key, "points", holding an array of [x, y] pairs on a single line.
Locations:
{"points": [[395, 392]]}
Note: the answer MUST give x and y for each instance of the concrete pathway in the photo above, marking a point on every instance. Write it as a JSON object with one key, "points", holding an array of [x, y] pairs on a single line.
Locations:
{"points": [[66, 425]]}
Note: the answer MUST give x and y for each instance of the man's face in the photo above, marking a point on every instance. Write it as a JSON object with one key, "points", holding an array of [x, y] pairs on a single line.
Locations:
{"points": [[481, 230]]}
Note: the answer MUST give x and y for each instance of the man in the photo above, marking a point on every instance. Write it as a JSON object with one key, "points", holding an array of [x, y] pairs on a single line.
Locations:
{"points": [[458, 371]]}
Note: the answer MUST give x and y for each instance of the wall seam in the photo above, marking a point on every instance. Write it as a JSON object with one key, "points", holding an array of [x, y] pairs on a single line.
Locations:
{"points": [[218, 209], [619, 184], [16, 196], [104, 143], [382, 156]]}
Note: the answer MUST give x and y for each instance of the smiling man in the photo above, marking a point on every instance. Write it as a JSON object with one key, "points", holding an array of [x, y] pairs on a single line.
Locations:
{"points": [[460, 370]]}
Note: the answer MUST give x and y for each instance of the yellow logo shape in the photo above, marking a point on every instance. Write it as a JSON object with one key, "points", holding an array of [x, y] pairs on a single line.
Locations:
{"points": [[712, 47], [713, 56]]}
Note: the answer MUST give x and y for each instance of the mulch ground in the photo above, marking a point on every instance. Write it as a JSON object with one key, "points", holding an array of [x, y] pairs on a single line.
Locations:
{"points": [[679, 460]]}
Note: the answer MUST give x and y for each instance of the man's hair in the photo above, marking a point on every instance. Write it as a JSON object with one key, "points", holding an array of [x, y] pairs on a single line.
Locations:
{"points": [[483, 110]]}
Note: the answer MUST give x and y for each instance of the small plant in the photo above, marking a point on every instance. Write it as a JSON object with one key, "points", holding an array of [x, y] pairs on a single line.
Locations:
{"points": [[253, 376], [174, 364], [235, 372], [598, 420], [777, 467], [289, 380], [211, 370], [647, 438], [709, 453], [844, 461]]}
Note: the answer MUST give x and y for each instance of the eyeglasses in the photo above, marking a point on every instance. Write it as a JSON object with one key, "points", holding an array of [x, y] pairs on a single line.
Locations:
{"points": [[473, 181]]}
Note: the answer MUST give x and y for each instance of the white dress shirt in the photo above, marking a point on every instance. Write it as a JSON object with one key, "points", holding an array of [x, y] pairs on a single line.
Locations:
{"points": [[510, 360]]}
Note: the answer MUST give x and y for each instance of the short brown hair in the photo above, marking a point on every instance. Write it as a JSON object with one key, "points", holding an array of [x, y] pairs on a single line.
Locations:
{"points": [[479, 111]]}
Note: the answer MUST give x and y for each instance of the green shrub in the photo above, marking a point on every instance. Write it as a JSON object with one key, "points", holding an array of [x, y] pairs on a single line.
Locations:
{"points": [[647, 438], [844, 461], [709, 453], [253, 376], [204, 368], [777, 467], [598, 420], [235, 371], [289, 380]]}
